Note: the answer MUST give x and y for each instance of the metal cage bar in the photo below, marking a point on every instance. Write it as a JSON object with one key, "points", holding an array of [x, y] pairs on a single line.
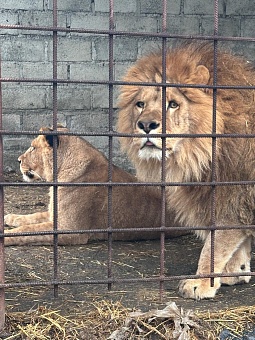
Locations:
{"points": [[2, 259]]}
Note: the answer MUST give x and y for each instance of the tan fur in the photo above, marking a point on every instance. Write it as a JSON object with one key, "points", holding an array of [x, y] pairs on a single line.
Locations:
{"points": [[85, 207], [190, 111]]}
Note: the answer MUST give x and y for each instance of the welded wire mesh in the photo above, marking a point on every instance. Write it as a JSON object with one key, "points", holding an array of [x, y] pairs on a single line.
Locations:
{"points": [[111, 83]]}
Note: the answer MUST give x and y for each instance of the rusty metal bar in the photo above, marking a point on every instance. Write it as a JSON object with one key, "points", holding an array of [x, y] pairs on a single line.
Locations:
{"points": [[110, 139], [214, 139], [163, 168], [122, 280], [2, 260], [119, 184], [55, 167], [115, 134], [118, 82], [126, 33]]}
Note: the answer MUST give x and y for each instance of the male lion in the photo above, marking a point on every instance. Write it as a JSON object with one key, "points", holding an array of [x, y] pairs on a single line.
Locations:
{"points": [[84, 207], [189, 110]]}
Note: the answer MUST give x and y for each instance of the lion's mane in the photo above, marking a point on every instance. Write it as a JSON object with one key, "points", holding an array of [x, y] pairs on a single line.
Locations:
{"points": [[192, 63]]}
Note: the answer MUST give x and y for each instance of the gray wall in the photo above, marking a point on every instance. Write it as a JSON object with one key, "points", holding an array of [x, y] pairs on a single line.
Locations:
{"points": [[28, 54]]}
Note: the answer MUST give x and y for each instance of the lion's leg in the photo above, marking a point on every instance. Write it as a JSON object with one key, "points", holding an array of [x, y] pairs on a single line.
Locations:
{"points": [[239, 263], [226, 244], [16, 220]]}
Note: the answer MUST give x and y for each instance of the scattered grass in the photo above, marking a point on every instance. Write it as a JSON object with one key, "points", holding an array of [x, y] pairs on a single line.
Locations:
{"points": [[111, 320]]}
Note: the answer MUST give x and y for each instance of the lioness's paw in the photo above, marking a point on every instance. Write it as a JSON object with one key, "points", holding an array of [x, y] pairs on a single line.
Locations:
{"points": [[198, 289], [12, 220]]}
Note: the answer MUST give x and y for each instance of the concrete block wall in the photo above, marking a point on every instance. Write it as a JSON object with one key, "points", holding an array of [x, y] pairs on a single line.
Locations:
{"points": [[28, 54]]}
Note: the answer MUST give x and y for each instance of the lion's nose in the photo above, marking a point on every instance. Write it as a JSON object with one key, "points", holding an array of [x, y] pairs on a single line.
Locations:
{"points": [[19, 160], [147, 126]]}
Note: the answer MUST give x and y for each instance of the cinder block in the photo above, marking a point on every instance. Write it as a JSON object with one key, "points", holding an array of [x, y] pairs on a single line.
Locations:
{"points": [[183, 25], [11, 121], [22, 4], [40, 18], [119, 6], [91, 122], [247, 27], [201, 7], [235, 7], [121, 68], [70, 97], [89, 71], [43, 70], [227, 26], [74, 6], [11, 69], [8, 17], [24, 49], [34, 120], [88, 21], [75, 49], [23, 97], [126, 22], [155, 7], [100, 95], [124, 49]]}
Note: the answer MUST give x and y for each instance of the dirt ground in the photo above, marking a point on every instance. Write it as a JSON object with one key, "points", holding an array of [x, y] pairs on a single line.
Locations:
{"points": [[129, 260]]}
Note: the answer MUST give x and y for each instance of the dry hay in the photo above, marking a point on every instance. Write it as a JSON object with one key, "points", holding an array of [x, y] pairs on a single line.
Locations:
{"points": [[236, 320], [108, 320], [42, 324]]}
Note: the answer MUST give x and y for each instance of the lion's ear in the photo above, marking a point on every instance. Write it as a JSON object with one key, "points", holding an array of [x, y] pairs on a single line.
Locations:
{"points": [[202, 75]]}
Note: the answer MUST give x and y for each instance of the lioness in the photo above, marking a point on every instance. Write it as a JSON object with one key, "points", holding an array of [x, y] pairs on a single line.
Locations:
{"points": [[84, 207], [192, 159]]}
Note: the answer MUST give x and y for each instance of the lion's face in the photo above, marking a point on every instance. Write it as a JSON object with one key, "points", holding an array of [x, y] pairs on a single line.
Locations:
{"points": [[36, 162], [149, 120]]}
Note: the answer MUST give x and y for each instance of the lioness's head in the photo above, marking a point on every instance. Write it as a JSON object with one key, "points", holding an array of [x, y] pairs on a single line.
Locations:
{"points": [[37, 162]]}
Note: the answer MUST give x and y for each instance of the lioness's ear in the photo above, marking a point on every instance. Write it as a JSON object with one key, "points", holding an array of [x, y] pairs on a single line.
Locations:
{"points": [[202, 75], [50, 138]]}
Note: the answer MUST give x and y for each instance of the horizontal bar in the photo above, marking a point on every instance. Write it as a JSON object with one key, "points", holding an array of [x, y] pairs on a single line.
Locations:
{"points": [[119, 83], [120, 135], [125, 33], [155, 279], [125, 184], [126, 230]]}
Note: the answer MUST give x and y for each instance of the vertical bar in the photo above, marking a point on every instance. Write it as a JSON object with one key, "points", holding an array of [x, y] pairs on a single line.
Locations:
{"points": [[110, 143], [163, 169], [2, 293], [214, 141], [55, 109]]}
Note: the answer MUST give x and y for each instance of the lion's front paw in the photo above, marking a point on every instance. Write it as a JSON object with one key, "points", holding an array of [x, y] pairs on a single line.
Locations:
{"points": [[239, 263], [198, 288], [12, 220]]}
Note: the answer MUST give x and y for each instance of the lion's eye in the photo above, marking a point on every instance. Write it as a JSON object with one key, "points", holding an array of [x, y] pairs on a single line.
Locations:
{"points": [[172, 105], [32, 148], [140, 104]]}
